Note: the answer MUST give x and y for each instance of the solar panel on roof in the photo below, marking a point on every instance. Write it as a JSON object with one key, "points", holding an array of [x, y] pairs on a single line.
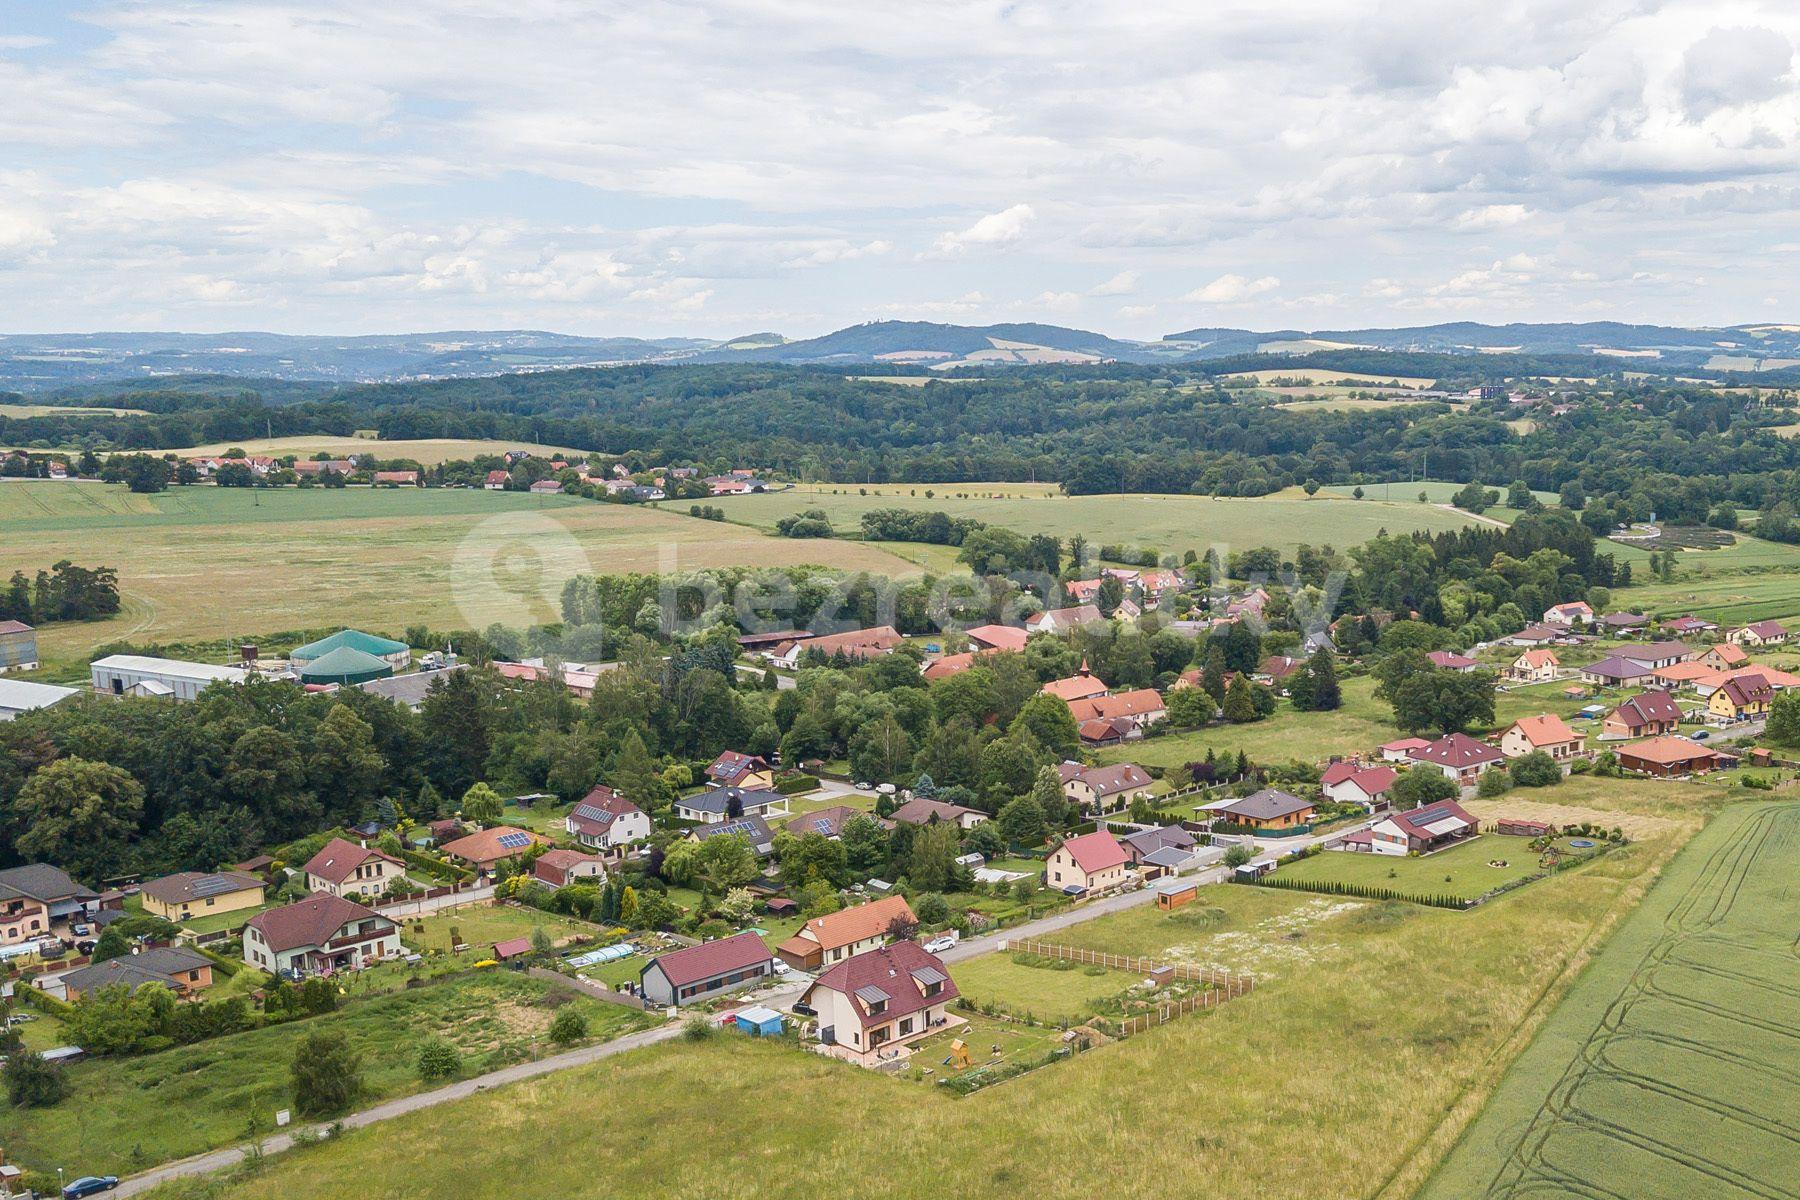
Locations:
{"points": [[822, 824], [514, 841], [213, 885]]}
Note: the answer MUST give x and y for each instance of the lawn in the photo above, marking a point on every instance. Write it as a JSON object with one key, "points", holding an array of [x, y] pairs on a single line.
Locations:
{"points": [[1667, 1073], [481, 925], [127, 1114], [1461, 871], [1024, 984], [202, 563], [1362, 724], [1167, 523], [1373, 1036]]}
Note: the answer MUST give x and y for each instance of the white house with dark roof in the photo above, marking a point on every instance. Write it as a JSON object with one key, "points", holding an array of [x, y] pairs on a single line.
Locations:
{"points": [[728, 803], [1103, 789], [343, 868], [1459, 757], [873, 1007]]}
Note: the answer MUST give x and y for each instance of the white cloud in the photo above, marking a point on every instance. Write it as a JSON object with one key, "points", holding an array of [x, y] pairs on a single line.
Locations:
{"points": [[1122, 284], [996, 229], [1232, 289]]}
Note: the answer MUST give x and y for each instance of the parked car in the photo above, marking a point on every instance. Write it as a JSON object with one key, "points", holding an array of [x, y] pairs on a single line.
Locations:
{"points": [[886, 789], [89, 1185], [81, 929], [942, 942]]}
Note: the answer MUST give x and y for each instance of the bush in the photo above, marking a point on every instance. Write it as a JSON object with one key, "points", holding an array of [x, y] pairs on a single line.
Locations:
{"points": [[1536, 769], [32, 1082], [698, 1029], [568, 1026], [1238, 855], [438, 1059], [327, 1075], [1493, 783]]}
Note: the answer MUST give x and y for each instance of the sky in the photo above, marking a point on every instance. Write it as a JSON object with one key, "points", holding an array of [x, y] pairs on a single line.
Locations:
{"points": [[721, 167]]}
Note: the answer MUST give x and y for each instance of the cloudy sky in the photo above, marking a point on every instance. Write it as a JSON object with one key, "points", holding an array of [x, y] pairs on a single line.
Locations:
{"points": [[721, 167]]}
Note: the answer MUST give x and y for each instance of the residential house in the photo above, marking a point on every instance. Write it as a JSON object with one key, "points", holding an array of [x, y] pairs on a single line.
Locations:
{"points": [[189, 894], [1616, 671], [1107, 731], [1723, 657], [496, 481], [1276, 668], [1576, 612], [696, 973], [828, 822], [546, 487], [319, 935], [343, 868], [1062, 620], [1161, 850], [395, 479], [487, 849], [1625, 622], [1090, 862], [25, 889], [18, 647], [1689, 673], [1757, 633], [828, 940], [1534, 666], [732, 769], [948, 665], [1460, 757], [23, 918], [1082, 591], [1422, 830], [1647, 714], [997, 637], [1354, 783], [20, 696], [559, 868], [1401, 750], [1083, 685], [922, 811], [1781, 681], [873, 1007], [1657, 654], [727, 803], [1103, 789], [855, 644], [754, 830], [1740, 698], [605, 820], [1668, 757], [1268, 809], [1449, 660], [178, 968], [314, 467], [1548, 733], [1143, 707], [1689, 626], [1535, 635]]}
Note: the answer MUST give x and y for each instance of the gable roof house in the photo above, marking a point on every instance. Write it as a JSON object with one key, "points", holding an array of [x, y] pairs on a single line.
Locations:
{"points": [[559, 868], [754, 830], [922, 811], [343, 868], [997, 637], [1548, 733], [1140, 706], [1449, 660], [319, 935], [1758, 633], [1161, 850], [1723, 657], [1353, 783], [488, 848], [1090, 862], [1460, 757], [732, 769], [52, 888], [830, 939], [188, 894], [605, 820], [182, 970], [1534, 666], [948, 665], [1740, 698], [1061, 620], [1576, 612], [1422, 830], [1083, 685], [873, 1007], [1646, 714], [1103, 789], [695, 973], [855, 644], [1656, 654]]}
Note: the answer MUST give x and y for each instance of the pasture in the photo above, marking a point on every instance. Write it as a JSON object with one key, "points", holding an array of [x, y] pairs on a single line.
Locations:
{"points": [[1420, 1009], [202, 563], [426, 451], [1318, 375], [1667, 1073], [1169, 523]]}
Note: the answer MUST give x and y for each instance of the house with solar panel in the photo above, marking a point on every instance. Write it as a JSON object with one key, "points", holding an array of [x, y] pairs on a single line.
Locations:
{"points": [[754, 830], [872, 1008], [189, 894], [486, 850], [729, 803], [604, 820], [1421, 830]]}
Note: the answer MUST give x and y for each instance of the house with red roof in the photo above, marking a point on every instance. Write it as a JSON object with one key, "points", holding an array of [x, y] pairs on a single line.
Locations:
{"points": [[873, 1007], [1534, 666], [559, 868], [605, 820], [1576, 612], [1083, 685], [1140, 706], [1091, 862], [319, 935], [1647, 714], [496, 481], [343, 868], [830, 939], [1547, 732], [487, 849], [1758, 633], [732, 769], [1449, 660], [997, 637], [696, 973], [1354, 783], [1740, 698], [1723, 657], [1460, 757], [1422, 830], [1401, 750]]}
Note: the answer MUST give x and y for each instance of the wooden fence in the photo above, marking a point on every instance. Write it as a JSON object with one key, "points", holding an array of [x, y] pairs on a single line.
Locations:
{"points": [[1221, 985]]}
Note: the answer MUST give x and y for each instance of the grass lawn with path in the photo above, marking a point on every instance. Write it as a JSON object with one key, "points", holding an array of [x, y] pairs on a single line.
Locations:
{"points": [[1461, 871], [481, 925], [1049, 990]]}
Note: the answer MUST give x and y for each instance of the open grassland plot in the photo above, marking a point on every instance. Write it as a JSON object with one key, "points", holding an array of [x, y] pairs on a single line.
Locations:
{"points": [[126, 1114], [481, 925], [1436, 492], [1167, 523], [1728, 599], [1049, 990], [1702, 567], [20, 411], [201, 563], [1668, 1072], [1465, 871], [1315, 375], [426, 451], [1338, 399], [1362, 724], [1373, 1034]]}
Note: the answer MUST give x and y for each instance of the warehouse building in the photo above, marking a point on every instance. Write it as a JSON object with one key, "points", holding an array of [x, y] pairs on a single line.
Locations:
{"points": [[138, 675]]}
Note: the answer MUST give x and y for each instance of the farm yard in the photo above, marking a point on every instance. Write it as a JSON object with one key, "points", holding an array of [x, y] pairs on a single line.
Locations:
{"points": [[1667, 1072], [1432, 1005], [203, 563], [1171, 524], [127, 1114]]}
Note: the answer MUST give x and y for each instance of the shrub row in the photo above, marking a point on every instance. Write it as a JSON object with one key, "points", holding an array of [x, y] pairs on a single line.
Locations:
{"points": [[1363, 891]]}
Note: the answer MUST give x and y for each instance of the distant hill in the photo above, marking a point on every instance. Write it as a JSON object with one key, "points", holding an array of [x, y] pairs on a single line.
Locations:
{"points": [[926, 343], [1728, 348]]}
